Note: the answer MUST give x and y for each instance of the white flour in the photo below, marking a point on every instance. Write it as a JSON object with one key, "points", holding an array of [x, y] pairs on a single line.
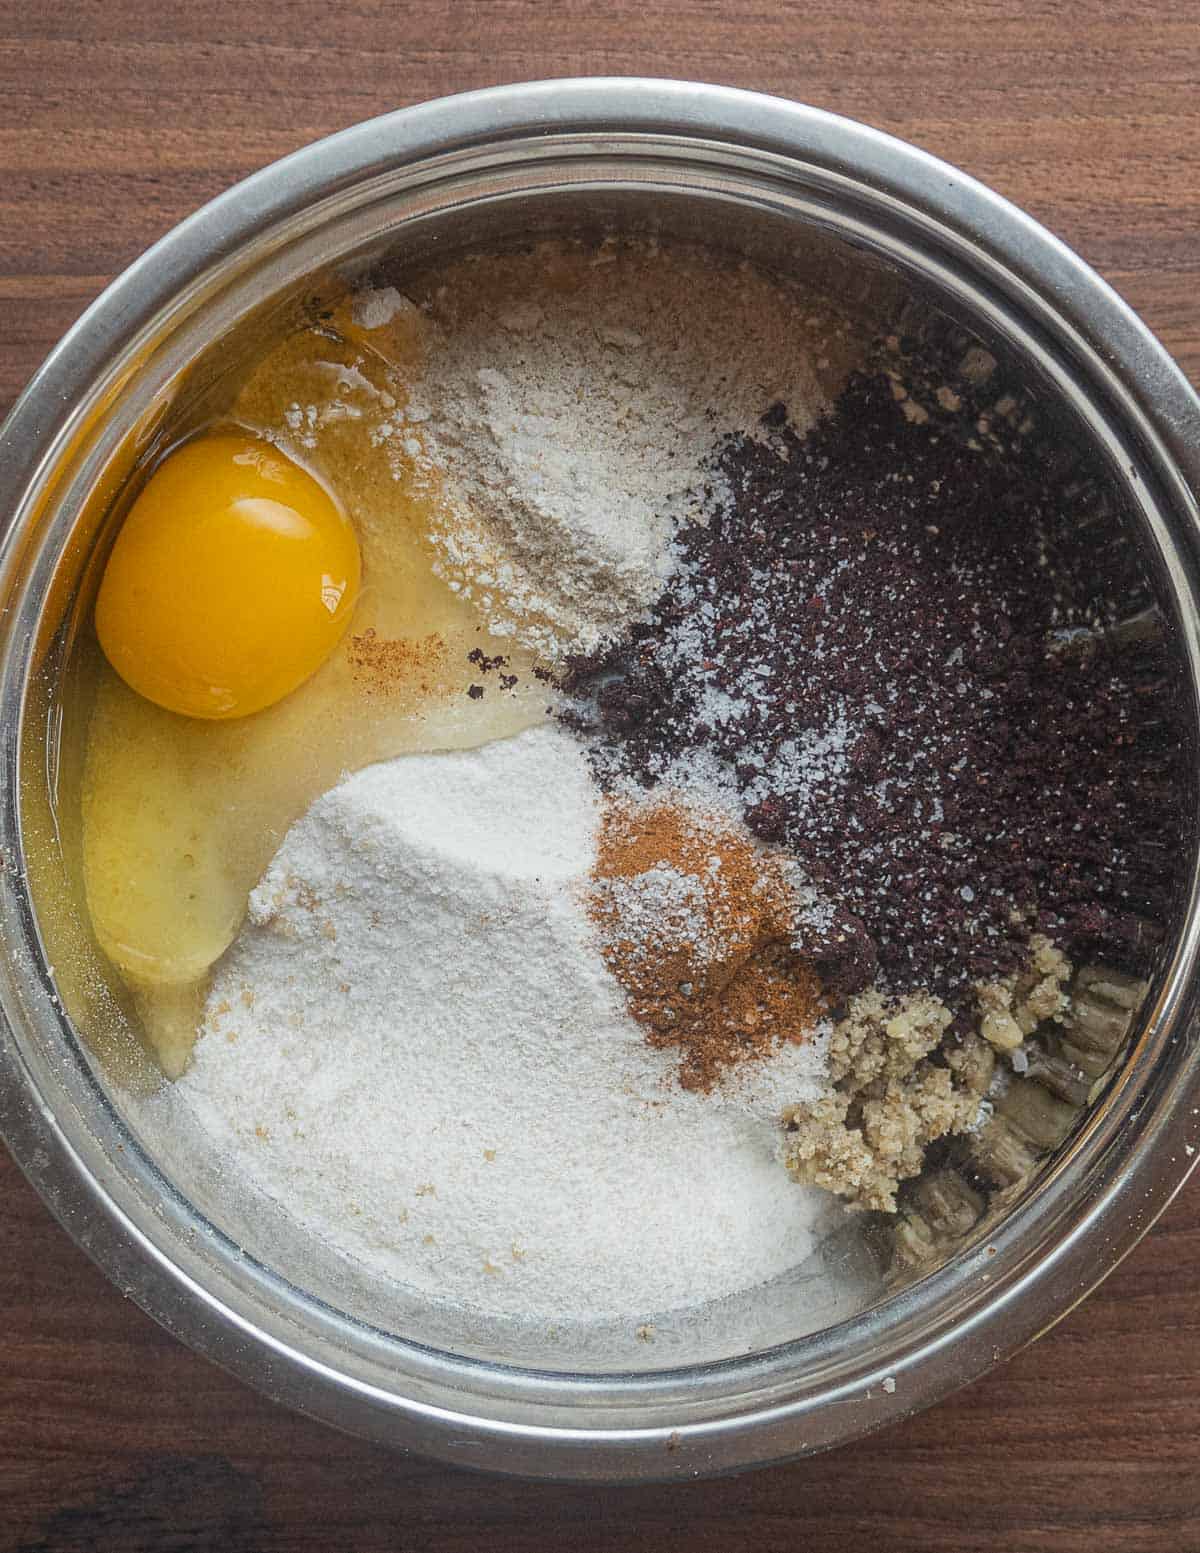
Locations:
{"points": [[416, 1048], [573, 400]]}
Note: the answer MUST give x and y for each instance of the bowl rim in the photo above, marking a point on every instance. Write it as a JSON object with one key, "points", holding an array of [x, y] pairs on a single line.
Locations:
{"points": [[1149, 1148]]}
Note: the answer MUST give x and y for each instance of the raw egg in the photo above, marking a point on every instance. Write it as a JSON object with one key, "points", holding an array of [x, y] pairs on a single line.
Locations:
{"points": [[231, 581]]}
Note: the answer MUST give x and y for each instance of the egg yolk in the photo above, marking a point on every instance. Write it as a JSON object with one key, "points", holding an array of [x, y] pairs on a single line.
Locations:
{"points": [[231, 580]]}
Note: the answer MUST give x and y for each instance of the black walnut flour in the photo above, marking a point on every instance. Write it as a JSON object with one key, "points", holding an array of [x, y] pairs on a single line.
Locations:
{"points": [[868, 649]]}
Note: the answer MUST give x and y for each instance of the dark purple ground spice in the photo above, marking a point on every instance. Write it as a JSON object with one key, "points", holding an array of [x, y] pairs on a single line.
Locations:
{"points": [[486, 665], [892, 644], [483, 662]]}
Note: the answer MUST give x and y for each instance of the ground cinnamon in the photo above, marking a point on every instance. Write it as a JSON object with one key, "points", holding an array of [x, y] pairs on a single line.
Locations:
{"points": [[696, 922], [385, 665]]}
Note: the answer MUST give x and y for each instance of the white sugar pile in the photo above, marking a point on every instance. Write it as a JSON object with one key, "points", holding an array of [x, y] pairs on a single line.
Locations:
{"points": [[416, 1048], [571, 404]]}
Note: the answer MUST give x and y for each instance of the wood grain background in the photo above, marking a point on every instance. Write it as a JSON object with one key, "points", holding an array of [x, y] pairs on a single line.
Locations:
{"points": [[117, 117]]}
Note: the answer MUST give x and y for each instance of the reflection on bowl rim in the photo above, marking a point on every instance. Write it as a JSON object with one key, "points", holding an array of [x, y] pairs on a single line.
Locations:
{"points": [[1106, 1186]]}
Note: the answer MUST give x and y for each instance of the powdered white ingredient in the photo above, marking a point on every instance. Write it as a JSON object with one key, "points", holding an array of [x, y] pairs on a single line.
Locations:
{"points": [[661, 908], [375, 309], [416, 1048], [574, 399]]}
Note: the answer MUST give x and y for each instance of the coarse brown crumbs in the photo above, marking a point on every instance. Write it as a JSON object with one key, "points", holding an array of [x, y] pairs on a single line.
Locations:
{"points": [[697, 922], [902, 1079], [383, 665], [891, 1099], [1013, 1006]]}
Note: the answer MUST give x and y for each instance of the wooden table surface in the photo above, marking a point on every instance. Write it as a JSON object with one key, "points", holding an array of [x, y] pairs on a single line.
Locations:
{"points": [[117, 117]]}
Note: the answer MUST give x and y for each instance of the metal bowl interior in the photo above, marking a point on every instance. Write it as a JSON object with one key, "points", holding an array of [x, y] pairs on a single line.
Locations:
{"points": [[780, 1371]]}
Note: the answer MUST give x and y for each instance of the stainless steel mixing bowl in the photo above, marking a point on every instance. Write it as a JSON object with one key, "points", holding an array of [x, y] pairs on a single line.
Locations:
{"points": [[793, 186]]}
